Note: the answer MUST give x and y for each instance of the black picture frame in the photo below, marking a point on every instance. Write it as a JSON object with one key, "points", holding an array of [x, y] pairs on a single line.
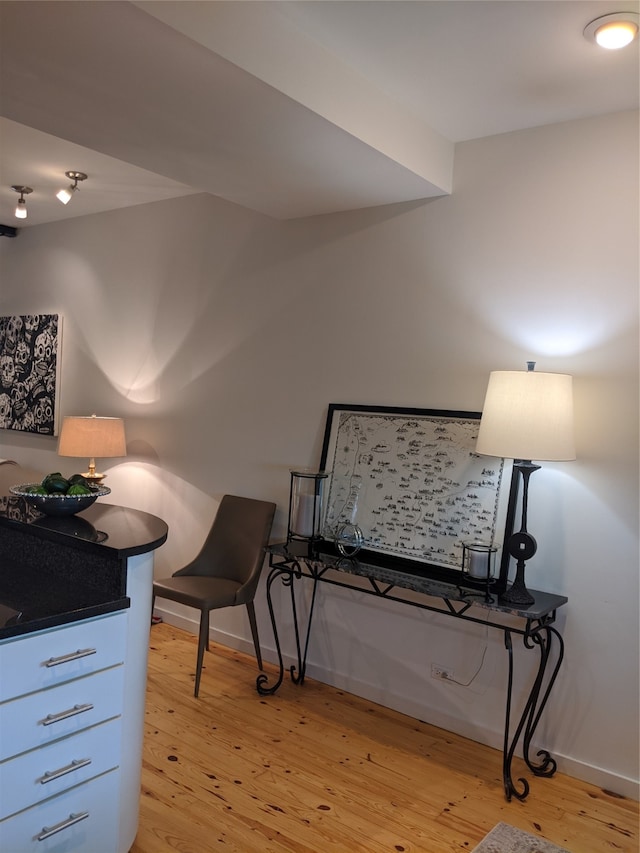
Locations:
{"points": [[410, 479]]}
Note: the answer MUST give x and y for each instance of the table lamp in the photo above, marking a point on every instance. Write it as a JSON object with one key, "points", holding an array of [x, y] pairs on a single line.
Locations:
{"points": [[93, 437], [526, 415]]}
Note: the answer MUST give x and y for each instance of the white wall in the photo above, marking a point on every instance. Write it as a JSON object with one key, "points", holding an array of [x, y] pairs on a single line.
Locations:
{"points": [[222, 336]]}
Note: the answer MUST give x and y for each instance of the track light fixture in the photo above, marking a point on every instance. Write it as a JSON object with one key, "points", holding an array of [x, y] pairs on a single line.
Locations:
{"points": [[21, 207], [66, 193]]}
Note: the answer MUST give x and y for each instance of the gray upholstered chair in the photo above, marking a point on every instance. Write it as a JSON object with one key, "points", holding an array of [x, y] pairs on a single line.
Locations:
{"points": [[227, 570]]}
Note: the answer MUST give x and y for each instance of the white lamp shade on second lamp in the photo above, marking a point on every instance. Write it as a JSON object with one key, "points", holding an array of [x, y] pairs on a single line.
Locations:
{"points": [[528, 415]]}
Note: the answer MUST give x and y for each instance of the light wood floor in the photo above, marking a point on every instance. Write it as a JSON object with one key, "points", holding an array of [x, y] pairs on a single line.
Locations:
{"points": [[316, 770]]}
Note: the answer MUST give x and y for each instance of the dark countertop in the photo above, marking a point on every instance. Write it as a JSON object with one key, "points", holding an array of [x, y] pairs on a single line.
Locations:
{"points": [[29, 602], [59, 570], [115, 528]]}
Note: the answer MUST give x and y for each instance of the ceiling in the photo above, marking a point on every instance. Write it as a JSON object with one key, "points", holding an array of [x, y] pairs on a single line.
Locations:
{"points": [[288, 108]]}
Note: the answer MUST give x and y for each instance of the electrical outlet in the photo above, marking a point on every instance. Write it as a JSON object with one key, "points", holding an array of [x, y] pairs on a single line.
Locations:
{"points": [[441, 672]]}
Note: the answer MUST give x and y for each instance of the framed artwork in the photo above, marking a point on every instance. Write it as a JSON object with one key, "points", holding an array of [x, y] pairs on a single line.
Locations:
{"points": [[29, 364], [411, 480]]}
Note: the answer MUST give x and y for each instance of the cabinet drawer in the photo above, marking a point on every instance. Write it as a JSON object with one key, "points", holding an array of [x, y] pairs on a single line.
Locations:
{"points": [[43, 773], [51, 657], [40, 718], [81, 820]]}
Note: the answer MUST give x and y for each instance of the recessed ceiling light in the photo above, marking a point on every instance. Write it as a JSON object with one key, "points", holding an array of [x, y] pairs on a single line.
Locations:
{"points": [[613, 31]]}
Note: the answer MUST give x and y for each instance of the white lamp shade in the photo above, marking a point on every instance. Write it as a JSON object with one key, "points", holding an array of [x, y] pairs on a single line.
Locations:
{"points": [[92, 437], [528, 415]]}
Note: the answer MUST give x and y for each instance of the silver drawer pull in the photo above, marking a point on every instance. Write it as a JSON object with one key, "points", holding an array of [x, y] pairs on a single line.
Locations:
{"points": [[64, 715], [76, 764], [48, 831], [80, 653]]}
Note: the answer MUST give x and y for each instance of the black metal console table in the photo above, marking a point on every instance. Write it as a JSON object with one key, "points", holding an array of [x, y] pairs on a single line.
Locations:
{"points": [[534, 624]]}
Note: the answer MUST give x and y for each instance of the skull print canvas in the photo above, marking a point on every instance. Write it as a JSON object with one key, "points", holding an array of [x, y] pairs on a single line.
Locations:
{"points": [[29, 362]]}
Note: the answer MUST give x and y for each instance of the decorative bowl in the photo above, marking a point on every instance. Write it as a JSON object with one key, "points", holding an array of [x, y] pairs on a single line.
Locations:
{"points": [[58, 504]]}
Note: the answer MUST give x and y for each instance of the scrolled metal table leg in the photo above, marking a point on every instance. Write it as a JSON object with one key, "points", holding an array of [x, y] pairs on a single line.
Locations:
{"points": [[288, 576], [508, 749], [296, 672], [543, 638], [297, 676], [534, 707], [263, 678]]}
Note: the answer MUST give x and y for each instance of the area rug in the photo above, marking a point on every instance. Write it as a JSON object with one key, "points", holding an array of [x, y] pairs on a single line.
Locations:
{"points": [[507, 839]]}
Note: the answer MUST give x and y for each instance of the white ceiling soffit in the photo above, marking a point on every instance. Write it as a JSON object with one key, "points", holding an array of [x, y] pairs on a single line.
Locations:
{"points": [[39, 160], [260, 38], [112, 78], [289, 108]]}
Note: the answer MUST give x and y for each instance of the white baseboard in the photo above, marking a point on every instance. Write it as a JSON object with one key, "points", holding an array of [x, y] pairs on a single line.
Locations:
{"points": [[620, 785]]}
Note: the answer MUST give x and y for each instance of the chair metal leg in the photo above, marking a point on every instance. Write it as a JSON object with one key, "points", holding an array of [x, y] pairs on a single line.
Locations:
{"points": [[203, 643], [254, 632]]}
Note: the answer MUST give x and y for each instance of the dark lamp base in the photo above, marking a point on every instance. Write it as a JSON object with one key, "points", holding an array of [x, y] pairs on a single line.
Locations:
{"points": [[517, 596], [522, 546]]}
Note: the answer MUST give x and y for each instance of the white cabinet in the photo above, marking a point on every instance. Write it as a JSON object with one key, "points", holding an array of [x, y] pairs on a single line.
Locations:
{"points": [[34, 720], [72, 696], [140, 592], [80, 820], [47, 658], [42, 773], [61, 705]]}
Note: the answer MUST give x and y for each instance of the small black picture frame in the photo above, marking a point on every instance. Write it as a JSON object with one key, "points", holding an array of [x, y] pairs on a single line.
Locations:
{"points": [[411, 481]]}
